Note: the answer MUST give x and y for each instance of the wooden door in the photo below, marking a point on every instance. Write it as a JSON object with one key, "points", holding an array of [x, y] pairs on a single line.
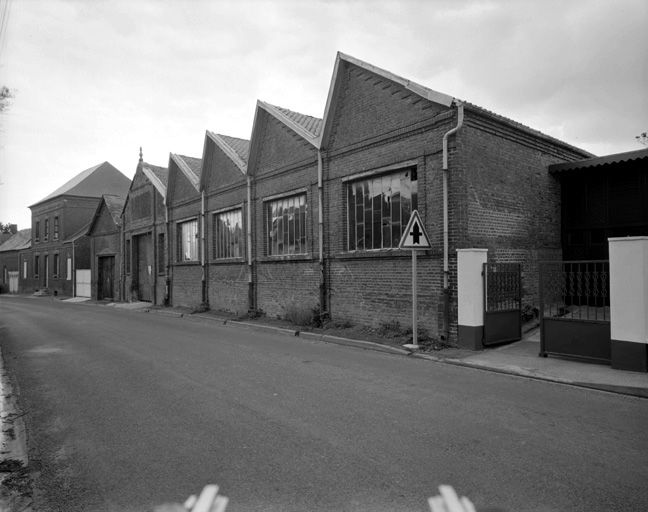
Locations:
{"points": [[144, 266], [106, 278]]}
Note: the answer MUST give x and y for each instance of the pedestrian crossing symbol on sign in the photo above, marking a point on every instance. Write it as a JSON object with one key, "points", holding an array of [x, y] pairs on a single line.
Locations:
{"points": [[414, 236]]}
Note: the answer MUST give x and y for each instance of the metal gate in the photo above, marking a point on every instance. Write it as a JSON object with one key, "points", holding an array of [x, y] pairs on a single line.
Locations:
{"points": [[575, 309], [502, 302]]}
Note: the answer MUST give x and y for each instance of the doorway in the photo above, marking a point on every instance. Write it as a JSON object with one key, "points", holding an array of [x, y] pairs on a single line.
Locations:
{"points": [[106, 278]]}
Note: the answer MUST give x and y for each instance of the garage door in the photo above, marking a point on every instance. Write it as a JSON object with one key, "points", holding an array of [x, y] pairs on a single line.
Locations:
{"points": [[83, 283]]}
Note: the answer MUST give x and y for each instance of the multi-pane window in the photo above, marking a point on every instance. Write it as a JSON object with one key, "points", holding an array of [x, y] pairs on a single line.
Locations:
{"points": [[37, 231], [56, 228], [228, 234], [188, 241], [378, 209], [36, 265], [56, 265], [286, 225], [46, 234]]}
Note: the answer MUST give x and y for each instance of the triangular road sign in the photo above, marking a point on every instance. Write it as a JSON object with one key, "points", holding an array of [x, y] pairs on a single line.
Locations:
{"points": [[414, 236]]}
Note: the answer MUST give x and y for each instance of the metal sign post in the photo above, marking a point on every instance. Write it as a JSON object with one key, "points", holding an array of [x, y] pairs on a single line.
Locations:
{"points": [[414, 238]]}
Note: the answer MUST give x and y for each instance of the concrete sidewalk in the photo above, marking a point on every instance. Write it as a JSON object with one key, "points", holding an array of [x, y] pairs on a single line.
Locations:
{"points": [[521, 358]]}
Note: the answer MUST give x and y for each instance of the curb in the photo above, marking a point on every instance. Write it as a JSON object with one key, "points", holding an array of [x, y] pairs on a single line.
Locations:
{"points": [[261, 327], [173, 314], [369, 345]]}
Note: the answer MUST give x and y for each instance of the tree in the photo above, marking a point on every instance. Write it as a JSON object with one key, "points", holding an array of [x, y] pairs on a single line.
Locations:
{"points": [[642, 138], [5, 95], [7, 227]]}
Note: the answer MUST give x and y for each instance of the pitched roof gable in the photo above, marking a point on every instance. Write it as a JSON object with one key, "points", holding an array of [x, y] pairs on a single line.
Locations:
{"points": [[93, 182], [17, 242], [237, 150], [335, 90], [159, 176], [308, 127], [114, 205], [189, 166]]}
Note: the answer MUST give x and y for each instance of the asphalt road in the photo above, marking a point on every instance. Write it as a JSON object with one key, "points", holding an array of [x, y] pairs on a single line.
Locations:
{"points": [[127, 410]]}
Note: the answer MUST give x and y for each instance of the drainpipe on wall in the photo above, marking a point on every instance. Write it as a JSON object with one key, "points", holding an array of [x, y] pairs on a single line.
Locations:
{"points": [[122, 262], [73, 272], [320, 232], [446, 287], [155, 247], [167, 298], [202, 247], [251, 301]]}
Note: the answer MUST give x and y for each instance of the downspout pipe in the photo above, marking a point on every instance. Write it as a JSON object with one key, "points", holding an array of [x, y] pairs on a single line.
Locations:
{"points": [[202, 248], [248, 229], [320, 231], [167, 298], [446, 289]]}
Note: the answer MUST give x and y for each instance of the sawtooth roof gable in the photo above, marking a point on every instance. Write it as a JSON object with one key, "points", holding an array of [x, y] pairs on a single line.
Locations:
{"points": [[183, 178], [112, 206], [101, 179], [291, 137], [224, 160], [366, 101], [146, 172]]}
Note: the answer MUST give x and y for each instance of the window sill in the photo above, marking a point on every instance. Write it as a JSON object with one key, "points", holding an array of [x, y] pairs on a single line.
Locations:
{"points": [[380, 253], [226, 261], [286, 258], [186, 263]]}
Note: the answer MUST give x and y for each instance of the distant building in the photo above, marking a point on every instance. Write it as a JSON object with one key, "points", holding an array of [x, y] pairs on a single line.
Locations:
{"points": [[60, 246], [144, 226], [10, 260], [105, 249]]}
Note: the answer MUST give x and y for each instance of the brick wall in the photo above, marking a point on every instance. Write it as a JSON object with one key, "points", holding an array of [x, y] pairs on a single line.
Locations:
{"points": [[286, 165], [510, 204], [379, 126], [228, 287], [186, 285]]}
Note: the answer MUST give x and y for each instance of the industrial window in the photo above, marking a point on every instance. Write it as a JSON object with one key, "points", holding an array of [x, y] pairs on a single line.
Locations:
{"points": [[37, 231], [127, 256], [55, 236], [378, 209], [161, 253], [56, 266], [188, 241], [36, 265], [286, 226], [46, 234], [228, 234]]}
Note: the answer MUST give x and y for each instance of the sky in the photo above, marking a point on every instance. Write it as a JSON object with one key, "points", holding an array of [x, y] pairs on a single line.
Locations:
{"points": [[94, 80]]}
